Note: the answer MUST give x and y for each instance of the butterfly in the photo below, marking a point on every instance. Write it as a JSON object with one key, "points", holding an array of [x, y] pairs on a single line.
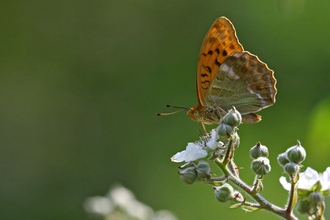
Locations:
{"points": [[229, 76]]}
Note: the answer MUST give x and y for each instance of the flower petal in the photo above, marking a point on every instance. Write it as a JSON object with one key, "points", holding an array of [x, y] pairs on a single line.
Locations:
{"points": [[179, 157], [192, 153], [308, 179], [213, 142], [325, 179], [286, 185]]}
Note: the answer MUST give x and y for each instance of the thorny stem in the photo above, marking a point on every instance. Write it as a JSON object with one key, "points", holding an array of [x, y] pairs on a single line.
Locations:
{"points": [[218, 179], [232, 167], [263, 203]]}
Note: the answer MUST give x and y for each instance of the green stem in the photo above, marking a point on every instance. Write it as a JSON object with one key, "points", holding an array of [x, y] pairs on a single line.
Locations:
{"points": [[227, 158], [291, 201]]}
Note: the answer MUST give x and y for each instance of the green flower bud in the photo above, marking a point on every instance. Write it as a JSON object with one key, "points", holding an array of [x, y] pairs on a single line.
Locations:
{"points": [[223, 130], [203, 170], [291, 168], [296, 153], [232, 118], [316, 197], [304, 207], [224, 193], [282, 159], [261, 166], [188, 175], [258, 151]]}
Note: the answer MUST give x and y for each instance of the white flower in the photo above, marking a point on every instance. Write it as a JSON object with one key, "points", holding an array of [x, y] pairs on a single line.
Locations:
{"points": [[98, 205], [213, 143], [285, 184], [163, 215], [121, 195], [192, 153], [125, 199], [308, 180], [325, 179]]}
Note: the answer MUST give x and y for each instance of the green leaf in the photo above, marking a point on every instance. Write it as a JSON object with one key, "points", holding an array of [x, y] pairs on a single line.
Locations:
{"points": [[235, 206], [250, 208]]}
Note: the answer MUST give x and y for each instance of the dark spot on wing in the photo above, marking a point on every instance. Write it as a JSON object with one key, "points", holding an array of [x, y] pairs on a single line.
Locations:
{"points": [[208, 69], [205, 84], [217, 62], [264, 77]]}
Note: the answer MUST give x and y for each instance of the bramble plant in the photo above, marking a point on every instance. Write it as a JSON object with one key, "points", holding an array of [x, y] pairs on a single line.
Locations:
{"points": [[306, 189]]}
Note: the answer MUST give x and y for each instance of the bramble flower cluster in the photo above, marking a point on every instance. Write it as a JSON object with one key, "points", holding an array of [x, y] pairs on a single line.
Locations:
{"points": [[121, 204], [312, 188], [306, 189]]}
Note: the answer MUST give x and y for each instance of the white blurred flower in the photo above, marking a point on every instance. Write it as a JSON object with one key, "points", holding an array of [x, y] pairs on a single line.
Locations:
{"points": [[139, 210], [309, 180], [163, 215], [126, 200], [121, 196], [98, 205], [192, 153], [129, 207], [213, 143]]}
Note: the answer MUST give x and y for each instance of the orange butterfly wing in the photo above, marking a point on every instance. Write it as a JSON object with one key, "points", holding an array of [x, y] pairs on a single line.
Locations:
{"points": [[218, 44]]}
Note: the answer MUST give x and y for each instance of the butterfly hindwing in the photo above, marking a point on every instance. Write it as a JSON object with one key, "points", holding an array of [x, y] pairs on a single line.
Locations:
{"points": [[242, 81]]}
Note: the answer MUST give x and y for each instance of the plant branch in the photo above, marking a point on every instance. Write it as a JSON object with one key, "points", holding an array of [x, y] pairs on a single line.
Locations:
{"points": [[264, 204]]}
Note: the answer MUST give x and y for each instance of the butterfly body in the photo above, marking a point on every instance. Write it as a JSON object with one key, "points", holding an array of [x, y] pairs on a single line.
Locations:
{"points": [[229, 76]]}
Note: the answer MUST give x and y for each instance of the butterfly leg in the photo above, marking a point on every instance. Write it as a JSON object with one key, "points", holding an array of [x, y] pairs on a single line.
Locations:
{"points": [[218, 109], [203, 124]]}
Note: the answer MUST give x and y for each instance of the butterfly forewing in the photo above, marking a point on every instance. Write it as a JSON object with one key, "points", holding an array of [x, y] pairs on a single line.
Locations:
{"points": [[218, 44], [242, 81]]}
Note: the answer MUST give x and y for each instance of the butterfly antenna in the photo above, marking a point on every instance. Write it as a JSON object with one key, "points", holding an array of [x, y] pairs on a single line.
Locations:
{"points": [[171, 113], [171, 106]]}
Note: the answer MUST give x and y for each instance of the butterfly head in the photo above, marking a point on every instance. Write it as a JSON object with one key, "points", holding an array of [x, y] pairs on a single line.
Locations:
{"points": [[195, 114], [206, 115]]}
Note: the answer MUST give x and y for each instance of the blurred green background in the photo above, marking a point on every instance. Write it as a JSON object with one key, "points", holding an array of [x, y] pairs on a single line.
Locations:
{"points": [[81, 82]]}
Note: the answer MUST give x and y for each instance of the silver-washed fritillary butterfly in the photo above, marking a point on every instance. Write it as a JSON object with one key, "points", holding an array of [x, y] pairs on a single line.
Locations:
{"points": [[229, 76]]}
